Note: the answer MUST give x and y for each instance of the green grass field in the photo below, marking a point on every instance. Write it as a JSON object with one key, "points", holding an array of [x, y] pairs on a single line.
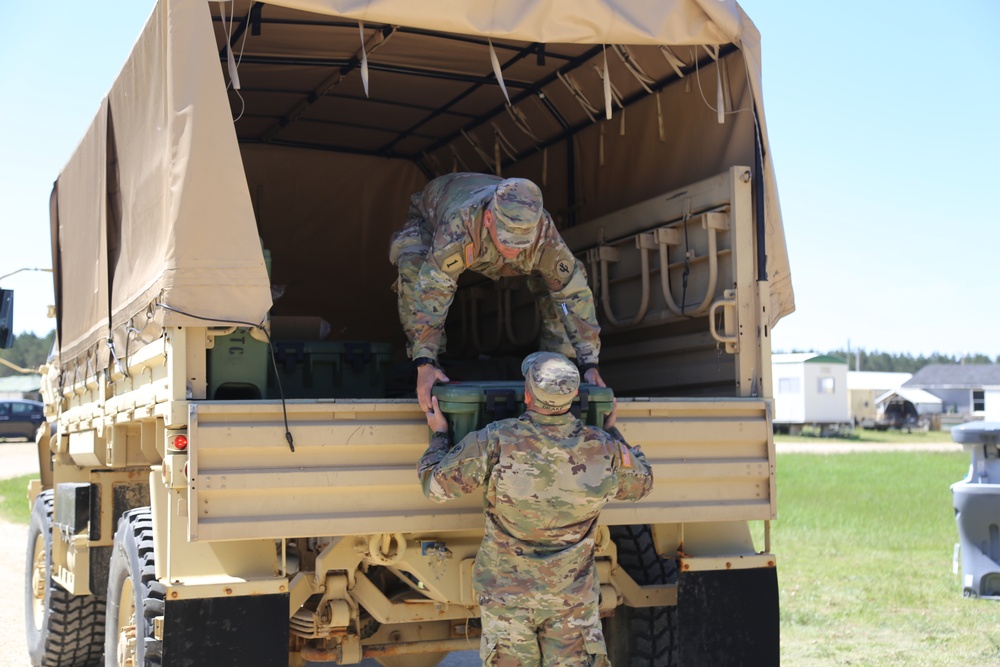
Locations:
{"points": [[14, 498], [864, 545]]}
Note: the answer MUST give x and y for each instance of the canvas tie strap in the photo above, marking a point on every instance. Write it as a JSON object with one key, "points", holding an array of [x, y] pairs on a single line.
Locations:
{"points": [[227, 27], [457, 161], [634, 68], [659, 118], [606, 78], [600, 147], [616, 96], [478, 147], [364, 59], [720, 100], [497, 71], [502, 143], [675, 62], [454, 161], [433, 161], [574, 89], [521, 122]]}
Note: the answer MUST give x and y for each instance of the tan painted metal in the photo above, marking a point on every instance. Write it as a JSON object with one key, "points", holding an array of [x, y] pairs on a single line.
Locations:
{"points": [[226, 509], [713, 460]]}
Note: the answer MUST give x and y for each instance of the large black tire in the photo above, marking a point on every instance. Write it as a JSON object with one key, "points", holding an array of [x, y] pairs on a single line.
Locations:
{"points": [[135, 597], [642, 636], [63, 630]]}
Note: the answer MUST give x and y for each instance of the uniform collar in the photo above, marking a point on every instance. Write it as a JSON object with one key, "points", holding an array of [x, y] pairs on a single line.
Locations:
{"points": [[539, 418]]}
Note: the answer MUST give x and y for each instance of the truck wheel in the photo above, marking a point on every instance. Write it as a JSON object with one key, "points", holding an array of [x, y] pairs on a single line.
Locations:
{"points": [[642, 636], [62, 629], [135, 597]]}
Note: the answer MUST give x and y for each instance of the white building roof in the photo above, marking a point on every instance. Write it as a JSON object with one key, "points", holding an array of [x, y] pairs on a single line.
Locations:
{"points": [[876, 381], [915, 396]]}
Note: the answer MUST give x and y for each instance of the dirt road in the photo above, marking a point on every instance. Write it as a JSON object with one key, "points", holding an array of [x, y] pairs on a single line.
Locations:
{"points": [[16, 459]]}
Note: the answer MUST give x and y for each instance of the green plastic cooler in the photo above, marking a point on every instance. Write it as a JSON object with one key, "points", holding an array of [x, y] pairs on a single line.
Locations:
{"points": [[237, 367], [472, 405], [330, 369]]}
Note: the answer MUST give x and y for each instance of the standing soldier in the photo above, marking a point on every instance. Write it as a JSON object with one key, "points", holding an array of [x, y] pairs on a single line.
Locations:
{"points": [[547, 477], [497, 228]]}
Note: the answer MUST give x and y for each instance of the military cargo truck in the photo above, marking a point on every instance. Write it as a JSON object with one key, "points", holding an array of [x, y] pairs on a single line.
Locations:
{"points": [[227, 475]]}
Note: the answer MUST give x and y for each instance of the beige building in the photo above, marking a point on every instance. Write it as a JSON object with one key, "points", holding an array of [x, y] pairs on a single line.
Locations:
{"points": [[864, 389]]}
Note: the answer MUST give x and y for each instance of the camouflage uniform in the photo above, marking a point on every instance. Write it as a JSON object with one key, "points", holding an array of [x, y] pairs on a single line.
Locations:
{"points": [[547, 477], [444, 235]]}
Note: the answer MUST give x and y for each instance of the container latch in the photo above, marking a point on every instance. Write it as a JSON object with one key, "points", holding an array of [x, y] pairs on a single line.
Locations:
{"points": [[504, 409]]}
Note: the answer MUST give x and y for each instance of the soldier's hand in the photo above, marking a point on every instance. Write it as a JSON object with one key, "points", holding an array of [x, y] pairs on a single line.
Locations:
{"points": [[427, 376], [612, 417], [435, 418], [593, 376]]}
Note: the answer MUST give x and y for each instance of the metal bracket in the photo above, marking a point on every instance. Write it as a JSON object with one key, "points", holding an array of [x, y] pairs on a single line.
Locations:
{"points": [[728, 303]]}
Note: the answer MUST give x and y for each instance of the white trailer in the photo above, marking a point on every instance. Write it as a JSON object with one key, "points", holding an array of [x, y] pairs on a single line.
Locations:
{"points": [[810, 389]]}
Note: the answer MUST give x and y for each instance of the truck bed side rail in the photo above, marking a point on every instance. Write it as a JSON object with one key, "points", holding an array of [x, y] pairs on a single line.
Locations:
{"points": [[353, 470]]}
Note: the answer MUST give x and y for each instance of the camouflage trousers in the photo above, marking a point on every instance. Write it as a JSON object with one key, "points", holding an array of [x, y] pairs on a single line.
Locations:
{"points": [[519, 637], [409, 248]]}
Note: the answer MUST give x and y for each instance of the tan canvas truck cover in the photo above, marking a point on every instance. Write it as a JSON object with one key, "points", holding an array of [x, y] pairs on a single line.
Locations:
{"points": [[175, 237]]}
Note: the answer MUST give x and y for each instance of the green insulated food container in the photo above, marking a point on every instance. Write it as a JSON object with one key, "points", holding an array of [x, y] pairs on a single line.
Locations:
{"points": [[329, 369], [472, 405]]}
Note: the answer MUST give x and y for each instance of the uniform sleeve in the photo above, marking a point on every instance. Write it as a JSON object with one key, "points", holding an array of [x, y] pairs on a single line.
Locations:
{"points": [[566, 280], [635, 477], [435, 290], [445, 474]]}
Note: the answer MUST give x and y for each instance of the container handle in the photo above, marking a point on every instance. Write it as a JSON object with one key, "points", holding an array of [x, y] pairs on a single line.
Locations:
{"points": [[504, 409]]}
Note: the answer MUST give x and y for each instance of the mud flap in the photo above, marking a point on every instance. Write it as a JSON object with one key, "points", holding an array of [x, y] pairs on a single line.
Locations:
{"points": [[728, 618], [231, 631]]}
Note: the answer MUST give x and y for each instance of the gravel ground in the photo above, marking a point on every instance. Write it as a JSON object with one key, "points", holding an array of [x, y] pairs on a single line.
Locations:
{"points": [[20, 459], [16, 459]]}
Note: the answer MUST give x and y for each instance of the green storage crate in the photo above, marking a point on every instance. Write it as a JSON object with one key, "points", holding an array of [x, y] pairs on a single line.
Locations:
{"points": [[237, 367], [329, 369], [472, 405]]}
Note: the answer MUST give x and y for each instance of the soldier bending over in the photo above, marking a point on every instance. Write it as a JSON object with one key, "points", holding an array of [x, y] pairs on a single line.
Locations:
{"points": [[496, 228]]}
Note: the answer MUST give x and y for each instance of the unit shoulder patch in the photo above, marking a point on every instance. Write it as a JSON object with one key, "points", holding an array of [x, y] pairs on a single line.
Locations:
{"points": [[450, 260], [626, 455]]}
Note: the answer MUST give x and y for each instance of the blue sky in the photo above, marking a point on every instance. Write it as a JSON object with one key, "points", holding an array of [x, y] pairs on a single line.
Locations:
{"points": [[883, 125]]}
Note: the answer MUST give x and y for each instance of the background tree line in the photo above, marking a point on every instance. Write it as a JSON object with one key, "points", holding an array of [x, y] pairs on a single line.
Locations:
{"points": [[29, 352], [903, 363]]}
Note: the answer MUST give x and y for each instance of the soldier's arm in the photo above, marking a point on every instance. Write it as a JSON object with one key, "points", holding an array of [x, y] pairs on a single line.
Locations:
{"points": [[566, 280], [635, 477], [436, 285], [446, 474], [437, 290]]}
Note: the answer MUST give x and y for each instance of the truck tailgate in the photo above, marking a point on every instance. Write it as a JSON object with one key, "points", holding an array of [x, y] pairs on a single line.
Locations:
{"points": [[353, 470]]}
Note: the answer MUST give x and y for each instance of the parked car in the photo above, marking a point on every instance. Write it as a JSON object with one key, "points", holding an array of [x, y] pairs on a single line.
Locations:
{"points": [[20, 419]]}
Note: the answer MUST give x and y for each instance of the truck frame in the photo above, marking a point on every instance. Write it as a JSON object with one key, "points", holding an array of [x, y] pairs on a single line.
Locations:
{"points": [[184, 493]]}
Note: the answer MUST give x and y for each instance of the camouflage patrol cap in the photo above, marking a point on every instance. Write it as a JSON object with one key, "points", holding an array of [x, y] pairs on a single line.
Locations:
{"points": [[517, 207], [551, 378]]}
